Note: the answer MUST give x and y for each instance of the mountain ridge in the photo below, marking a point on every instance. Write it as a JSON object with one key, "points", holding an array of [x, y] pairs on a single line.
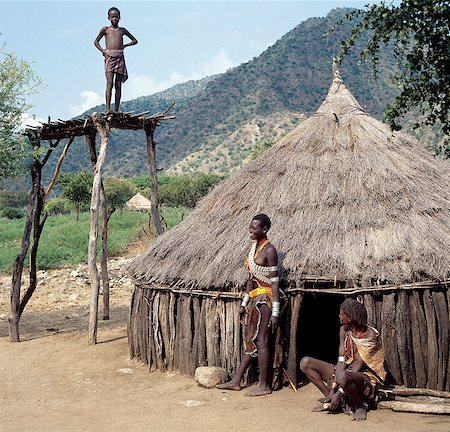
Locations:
{"points": [[291, 76]]}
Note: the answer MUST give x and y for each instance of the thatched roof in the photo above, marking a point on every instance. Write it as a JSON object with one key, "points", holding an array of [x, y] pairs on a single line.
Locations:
{"points": [[347, 198], [138, 202]]}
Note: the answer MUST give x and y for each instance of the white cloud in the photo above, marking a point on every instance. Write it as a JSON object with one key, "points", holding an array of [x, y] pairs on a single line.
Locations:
{"points": [[31, 120], [144, 85], [91, 99]]}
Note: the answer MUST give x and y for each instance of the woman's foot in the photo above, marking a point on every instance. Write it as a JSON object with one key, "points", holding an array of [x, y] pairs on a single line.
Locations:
{"points": [[259, 391], [360, 414], [230, 385]]}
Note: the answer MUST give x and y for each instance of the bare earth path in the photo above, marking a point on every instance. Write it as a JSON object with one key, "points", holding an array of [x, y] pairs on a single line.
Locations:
{"points": [[53, 381]]}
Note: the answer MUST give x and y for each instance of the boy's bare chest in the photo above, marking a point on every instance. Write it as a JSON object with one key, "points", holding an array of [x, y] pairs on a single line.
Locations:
{"points": [[114, 35]]}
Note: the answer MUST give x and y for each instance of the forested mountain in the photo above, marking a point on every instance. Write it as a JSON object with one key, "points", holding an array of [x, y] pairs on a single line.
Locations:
{"points": [[286, 82]]}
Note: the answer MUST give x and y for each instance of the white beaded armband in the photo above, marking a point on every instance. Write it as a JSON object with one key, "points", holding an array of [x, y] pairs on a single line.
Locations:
{"points": [[341, 359], [276, 309], [274, 279], [245, 300], [273, 268]]}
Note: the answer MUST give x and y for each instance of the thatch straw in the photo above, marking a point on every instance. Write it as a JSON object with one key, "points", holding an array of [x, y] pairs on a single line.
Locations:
{"points": [[346, 196]]}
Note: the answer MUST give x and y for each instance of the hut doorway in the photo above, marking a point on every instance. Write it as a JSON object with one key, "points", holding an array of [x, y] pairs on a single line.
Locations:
{"points": [[318, 327]]}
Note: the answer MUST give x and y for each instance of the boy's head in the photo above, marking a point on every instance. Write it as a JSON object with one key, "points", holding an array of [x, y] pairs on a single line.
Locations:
{"points": [[112, 11]]}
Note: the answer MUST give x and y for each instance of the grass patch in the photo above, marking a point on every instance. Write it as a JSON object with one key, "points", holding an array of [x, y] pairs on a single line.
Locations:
{"points": [[65, 242]]}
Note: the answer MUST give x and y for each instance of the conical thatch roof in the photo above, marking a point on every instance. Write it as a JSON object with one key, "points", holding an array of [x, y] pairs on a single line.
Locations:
{"points": [[138, 202], [346, 196]]}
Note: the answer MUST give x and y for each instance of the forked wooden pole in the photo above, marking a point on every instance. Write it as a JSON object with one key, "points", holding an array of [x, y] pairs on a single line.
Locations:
{"points": [[153, 177], [102, 127]]}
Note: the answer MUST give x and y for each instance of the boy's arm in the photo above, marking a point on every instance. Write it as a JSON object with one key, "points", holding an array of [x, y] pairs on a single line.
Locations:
{"points": [[98, 38], [133, 40]]}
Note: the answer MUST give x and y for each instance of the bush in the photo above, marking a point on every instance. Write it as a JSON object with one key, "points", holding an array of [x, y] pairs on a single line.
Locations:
{"points": [[13, 198], [185, 190], [12, 213], [58, 206], [179, 190]]}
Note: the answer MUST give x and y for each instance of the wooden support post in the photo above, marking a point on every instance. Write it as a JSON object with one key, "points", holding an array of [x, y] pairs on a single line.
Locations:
{"points": [[442, 327], [14, 313], [90, 140], [149, 129], [35, 207], [404, 340], [419, 338], [103, 130], [388, 333], [433, 352], [296, 302]]}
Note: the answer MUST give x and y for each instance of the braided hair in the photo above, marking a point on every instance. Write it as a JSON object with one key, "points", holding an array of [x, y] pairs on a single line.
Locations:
{"points": [[355, 311]]}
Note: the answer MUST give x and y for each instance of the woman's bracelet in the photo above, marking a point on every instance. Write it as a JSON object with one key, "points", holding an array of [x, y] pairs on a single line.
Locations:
{"points": [[245, 300], [275, 309]]}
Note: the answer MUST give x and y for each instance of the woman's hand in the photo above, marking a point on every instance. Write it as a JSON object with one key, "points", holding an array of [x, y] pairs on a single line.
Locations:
{"points": [[242, 313], [335, 401], [273, 323]]}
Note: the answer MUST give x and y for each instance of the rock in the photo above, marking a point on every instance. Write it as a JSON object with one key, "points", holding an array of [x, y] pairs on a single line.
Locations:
{"points": [[192, 403], [125, 370], [210, 376], [3, 317], [75, 273], [40, 274]]}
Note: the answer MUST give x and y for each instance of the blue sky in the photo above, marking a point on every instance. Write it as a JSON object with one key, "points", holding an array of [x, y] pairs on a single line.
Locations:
{"points": [[178, 41]]}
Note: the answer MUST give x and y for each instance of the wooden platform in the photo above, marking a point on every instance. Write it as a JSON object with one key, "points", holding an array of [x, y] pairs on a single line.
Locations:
{"points": [[81, 126]]}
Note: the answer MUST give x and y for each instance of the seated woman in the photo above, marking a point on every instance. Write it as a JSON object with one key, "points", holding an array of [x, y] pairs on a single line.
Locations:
{"points": [[360, 366]]}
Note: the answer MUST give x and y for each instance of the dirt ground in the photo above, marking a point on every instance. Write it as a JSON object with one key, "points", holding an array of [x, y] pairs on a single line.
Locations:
{"points": [[54, 381]]}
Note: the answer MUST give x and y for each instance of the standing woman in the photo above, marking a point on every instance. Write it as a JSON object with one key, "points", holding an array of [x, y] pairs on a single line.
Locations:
{"points": [[260, 307]]}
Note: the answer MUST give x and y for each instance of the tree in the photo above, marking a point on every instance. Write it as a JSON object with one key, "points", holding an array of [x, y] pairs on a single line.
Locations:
{"points": [[419, 31], [118, 192], [76, 187], [17, 81], [186, 189]]}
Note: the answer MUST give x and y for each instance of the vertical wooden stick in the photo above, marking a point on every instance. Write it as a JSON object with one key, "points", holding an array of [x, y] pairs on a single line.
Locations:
{"points": [[103, 130], [90, 140], [296, 302], [154, 190]]}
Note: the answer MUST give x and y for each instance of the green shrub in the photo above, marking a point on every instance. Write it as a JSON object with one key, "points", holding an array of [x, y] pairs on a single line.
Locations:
{"points": [[12, 213], [58, 206]]}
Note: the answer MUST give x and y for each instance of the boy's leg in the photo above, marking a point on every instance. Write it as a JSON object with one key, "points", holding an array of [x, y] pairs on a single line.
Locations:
{"points": [[317, 371], [118, 88], [109, 86]]}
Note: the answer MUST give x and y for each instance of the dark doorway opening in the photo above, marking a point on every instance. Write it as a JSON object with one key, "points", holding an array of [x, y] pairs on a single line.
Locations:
{"points": [[318, 327]]}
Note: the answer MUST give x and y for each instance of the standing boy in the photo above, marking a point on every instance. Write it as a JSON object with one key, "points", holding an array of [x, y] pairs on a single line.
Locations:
{"points": [[115, 68]]}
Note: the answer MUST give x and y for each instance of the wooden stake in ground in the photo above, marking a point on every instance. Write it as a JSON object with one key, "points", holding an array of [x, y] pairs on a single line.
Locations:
{"points": [[90, 139], [35, 208], [103, 129], [149, 129]]}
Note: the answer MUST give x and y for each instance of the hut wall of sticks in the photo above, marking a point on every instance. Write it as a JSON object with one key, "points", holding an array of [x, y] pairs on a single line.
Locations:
{"points": [[357, 211]]}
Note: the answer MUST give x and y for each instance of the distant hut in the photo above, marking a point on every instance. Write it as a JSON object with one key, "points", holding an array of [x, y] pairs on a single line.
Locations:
{"points": [[138, 203], [356, 211]]}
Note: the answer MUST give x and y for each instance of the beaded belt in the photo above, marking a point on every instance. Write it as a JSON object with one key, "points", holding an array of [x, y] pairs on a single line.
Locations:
{"points": [[261, 290]]}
